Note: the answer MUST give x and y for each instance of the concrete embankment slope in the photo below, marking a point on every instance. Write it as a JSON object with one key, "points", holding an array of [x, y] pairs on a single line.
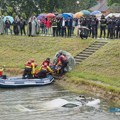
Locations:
{"points": [[98, 74]]}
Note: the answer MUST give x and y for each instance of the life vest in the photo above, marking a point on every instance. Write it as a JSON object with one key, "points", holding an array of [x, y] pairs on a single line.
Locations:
{"points": [[59, 63], [46, 62], [28, 65], [46, 68], [1, 72], [103, 22]]}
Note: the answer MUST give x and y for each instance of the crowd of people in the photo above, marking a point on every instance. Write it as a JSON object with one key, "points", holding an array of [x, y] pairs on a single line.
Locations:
{"points": [[58, 68], [59, 26]]}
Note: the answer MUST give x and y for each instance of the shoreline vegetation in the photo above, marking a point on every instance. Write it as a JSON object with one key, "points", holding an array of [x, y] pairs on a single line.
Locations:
{"points": [[109, 93], [98, 75]]}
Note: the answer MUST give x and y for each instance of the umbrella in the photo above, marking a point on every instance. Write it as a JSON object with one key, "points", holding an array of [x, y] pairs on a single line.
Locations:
{"points": [[78, 15], [40, 16], [10, 18], [59, 16], [95, 12], [66, 15], [83, 27], [50, 15], [113, 14], [85, 12], [98, 16]]}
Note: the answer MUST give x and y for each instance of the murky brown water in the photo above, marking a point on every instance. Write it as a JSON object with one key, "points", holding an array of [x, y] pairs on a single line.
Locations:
{"points": [[27, 104]]}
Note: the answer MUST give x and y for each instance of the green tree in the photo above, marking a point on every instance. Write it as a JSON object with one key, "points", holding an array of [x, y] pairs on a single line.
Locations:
{"points": [[24, 16], [110, 2], [115, 7], [5, 13], [14, 14], [10, 10], [44, 6]]}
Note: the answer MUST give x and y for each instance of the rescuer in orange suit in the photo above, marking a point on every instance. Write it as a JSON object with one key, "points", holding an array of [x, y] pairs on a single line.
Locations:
{"points": [[27, 70], [44, 70]]}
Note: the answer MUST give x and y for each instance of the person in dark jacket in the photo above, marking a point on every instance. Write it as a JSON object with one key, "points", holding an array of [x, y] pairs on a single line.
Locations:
{"points": [[118, 27], [62, 62], [69, 26], [114, 25], [22, 26], [109, 26], [83, 21], [59, 24], [63, 27], [54, 27], [94, 26], [15, 27], [7, 26], [88, 22], [103, 23]]}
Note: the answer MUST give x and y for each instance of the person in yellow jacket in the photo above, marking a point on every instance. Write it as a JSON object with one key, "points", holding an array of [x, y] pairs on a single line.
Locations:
{"points": [[33, 66], [44, 70]]}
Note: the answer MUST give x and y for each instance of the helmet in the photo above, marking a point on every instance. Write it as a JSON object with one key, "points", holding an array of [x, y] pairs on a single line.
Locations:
{"points": [[58, 55], [48, 59], [102, 16], [29, 62], [32, 60]]}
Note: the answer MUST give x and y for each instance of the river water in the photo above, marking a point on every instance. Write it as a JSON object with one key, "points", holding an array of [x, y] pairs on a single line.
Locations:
{"points": [[28, 104]]}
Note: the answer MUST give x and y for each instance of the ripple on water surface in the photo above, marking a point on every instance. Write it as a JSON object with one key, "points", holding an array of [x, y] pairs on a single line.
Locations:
{"points": [[24, 104]]}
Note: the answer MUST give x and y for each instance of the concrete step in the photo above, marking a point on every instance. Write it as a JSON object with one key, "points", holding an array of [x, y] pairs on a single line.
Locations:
{"points": [[92, 48], [78, 60], [87, 52], [81, 57], [81, 54], [98, 43], [94, 45]]}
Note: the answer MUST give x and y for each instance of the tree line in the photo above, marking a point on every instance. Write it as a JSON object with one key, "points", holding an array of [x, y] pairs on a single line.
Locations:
{"points": [[28, 7], [114, 5]]}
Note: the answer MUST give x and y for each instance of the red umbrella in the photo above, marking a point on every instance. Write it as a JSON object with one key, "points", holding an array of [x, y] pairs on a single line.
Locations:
{"points": [[50, 15]]}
